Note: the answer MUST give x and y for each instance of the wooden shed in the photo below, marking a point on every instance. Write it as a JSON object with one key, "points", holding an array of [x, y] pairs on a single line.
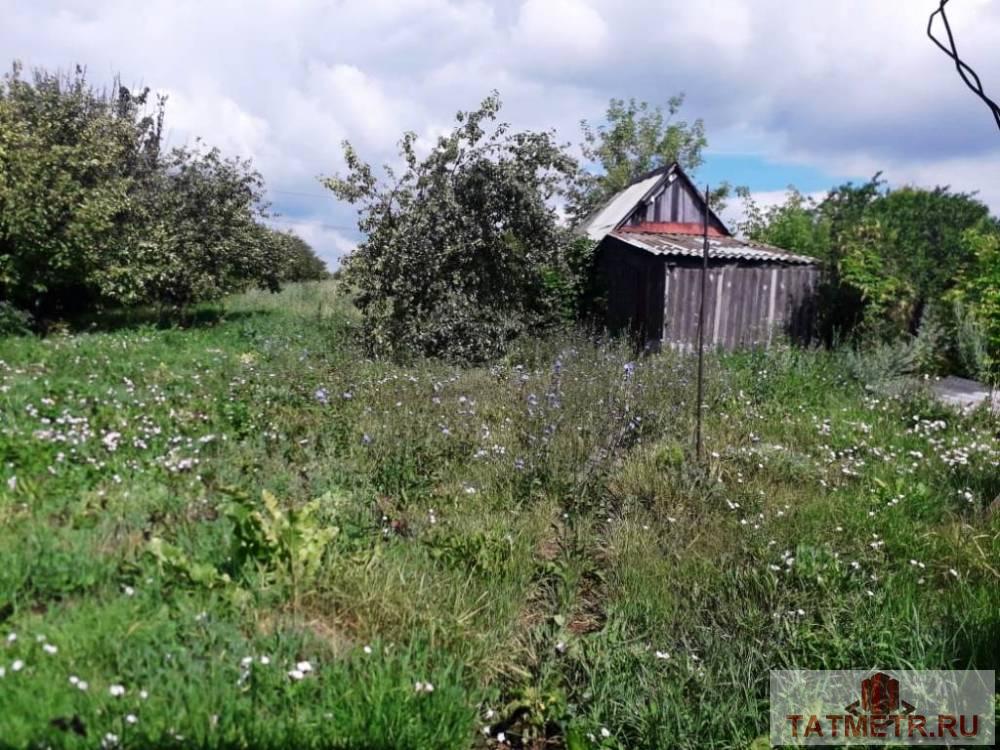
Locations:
{"points": [[651, 238]]}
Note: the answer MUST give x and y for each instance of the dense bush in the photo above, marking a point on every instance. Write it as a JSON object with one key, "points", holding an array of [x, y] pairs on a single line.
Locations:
{"points": [[299, 261], [977, 295], [463, 251], [13, 322], [202, 237], [896, 263], [93, 211], [63, 187]]}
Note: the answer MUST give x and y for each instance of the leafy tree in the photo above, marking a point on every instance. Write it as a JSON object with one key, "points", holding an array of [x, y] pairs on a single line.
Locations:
{"points": [[634, 139], [978, 290], [92, 212], [63, 187], [206, 240], [928, 229], [297, 260], [460, 246], [793, 225], [892, 258]]}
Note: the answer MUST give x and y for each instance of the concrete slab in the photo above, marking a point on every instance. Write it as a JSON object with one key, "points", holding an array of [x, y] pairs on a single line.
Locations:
{"points": [[965, 394]]}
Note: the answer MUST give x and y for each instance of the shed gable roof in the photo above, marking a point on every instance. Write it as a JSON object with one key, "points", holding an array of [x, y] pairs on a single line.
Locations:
{"points": [[624, 204], [639, 217], [613, 213]]}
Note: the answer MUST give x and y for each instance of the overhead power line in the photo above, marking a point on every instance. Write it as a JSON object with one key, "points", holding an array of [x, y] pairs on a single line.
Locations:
{"points": [[968, 74]]}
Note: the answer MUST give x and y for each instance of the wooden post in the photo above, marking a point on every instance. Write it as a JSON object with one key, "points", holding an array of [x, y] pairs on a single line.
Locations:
{"points": [[701, 335]]}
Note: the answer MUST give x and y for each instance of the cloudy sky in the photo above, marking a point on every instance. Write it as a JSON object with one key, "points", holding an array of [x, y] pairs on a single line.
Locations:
{"points": [[803, 92]]}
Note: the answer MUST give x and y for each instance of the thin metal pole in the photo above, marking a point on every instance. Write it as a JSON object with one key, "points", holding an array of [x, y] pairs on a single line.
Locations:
{"points": [[701, 335]]}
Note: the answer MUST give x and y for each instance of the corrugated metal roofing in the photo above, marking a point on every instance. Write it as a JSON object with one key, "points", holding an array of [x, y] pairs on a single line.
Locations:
{"points": [[691, 246], [616, 210]]}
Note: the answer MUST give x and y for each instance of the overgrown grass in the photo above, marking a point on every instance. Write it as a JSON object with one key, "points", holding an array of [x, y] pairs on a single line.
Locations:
{"points": [[532, 539]]}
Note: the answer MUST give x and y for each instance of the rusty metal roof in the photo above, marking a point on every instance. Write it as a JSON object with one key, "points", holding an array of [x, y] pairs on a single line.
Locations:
{"points": [[692, 245]]}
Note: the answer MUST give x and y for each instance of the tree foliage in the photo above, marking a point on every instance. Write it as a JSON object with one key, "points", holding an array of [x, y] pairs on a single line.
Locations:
{"points": [[63, 185], [634, 138], [894, 260], [977, 290], [203, 237], [462, 248], [298, 261], [93, 212]]}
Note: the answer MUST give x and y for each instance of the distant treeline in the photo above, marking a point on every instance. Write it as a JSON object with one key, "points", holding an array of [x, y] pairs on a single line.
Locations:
{"points": [[96, 212]]}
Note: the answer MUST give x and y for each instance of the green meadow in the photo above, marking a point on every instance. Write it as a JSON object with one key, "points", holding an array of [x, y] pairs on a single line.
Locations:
{"points": [[244, 533]]}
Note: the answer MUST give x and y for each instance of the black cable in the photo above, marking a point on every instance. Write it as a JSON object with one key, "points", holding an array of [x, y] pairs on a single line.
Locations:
{"points": [[968, 74]]}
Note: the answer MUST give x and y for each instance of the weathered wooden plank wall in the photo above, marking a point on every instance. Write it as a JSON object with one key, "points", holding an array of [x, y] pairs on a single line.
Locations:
{"points": [[745, 305], [676, 203], [635, 284]]}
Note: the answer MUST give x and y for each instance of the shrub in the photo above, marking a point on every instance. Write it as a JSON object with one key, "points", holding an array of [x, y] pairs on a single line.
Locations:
{"points": [[202, 236], [13, 322], [93, 212], [298, 261], [463, 251], [63, 187]]}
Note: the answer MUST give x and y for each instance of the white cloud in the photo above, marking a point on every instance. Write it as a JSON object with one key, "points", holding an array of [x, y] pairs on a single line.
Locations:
{"points": [[196, 112], [850, 87], [356, 100], [560, 33], [330, 244]]}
